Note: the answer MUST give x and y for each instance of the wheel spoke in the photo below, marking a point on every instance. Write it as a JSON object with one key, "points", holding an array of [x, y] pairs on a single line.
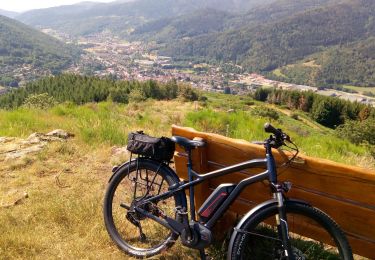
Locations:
{"points": [[135, 230], [309, 238], [257, 234]]}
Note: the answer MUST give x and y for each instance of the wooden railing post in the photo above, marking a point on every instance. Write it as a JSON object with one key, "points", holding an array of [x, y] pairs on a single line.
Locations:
{"points": [[199, 158]]}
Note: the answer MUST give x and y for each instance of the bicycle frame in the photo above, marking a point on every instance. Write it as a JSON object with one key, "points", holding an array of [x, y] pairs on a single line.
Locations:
{"points": [[195, 178], [199, 235]]}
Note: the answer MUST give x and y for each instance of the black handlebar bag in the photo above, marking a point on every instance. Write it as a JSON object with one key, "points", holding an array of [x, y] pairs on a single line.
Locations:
{"points": [[158, 148]]}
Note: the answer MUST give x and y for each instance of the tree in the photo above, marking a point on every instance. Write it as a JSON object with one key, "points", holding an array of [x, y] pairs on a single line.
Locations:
{"points": [[326, 112], [261, 94]]}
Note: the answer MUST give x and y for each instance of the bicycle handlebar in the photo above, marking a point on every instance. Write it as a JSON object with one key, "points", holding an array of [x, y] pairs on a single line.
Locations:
{"points": [[279, 137], [270, 129]]}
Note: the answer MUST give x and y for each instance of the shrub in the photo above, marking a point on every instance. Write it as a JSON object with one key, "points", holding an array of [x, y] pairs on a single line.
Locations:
{"points": [[266, 112], [187, 93], [294, 116], [358, 132], [39, 101], [203, 98], [261, 94], [137, 95]]}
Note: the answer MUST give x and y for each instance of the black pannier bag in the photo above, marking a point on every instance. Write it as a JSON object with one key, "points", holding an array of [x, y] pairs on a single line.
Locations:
{"points": [[158, 148]]}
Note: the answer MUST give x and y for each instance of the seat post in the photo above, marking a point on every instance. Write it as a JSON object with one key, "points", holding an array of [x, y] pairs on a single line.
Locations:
{"points": [[191, 188]]}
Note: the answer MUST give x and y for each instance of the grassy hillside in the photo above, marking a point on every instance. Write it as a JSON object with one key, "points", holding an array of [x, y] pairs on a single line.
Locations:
{"points": [[62, 216], [248, 119]]}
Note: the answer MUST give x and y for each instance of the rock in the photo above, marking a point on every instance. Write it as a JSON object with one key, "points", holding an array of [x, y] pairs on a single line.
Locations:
{"points": [[13, 148], [60, 133], [6, 139], [55, 135], [24, 151], [33, 138]]}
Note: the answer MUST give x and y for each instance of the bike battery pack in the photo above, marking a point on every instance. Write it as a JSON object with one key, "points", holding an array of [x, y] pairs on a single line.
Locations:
{"points": [[213, 202]]}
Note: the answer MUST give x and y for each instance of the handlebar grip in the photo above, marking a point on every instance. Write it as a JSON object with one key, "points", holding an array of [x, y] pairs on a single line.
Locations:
{"points": [[270, 129]]}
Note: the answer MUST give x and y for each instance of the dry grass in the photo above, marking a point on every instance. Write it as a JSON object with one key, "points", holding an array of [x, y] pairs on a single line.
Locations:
{"points": [[65, 183], [62, 217]]}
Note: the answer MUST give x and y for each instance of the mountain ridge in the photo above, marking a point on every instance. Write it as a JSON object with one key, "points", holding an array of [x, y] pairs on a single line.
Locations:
{"points": [[7, 13], [125, 15]]}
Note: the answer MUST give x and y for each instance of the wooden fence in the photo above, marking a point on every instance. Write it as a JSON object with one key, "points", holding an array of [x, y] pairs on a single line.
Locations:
{"points": [[346, 193]]}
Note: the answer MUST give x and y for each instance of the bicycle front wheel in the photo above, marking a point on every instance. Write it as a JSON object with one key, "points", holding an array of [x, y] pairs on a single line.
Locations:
{"points": [[134, 233], [312, 233]]}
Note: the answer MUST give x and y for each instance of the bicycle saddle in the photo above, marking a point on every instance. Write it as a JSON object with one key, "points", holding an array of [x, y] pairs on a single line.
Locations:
{"points": [[187, 143]]}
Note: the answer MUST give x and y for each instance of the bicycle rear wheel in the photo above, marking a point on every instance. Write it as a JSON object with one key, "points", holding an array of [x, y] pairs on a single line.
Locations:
{"points": [[313, 235], [135, 234]]}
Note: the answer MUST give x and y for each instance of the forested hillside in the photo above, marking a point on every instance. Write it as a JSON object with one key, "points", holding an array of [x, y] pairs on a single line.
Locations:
{"points": [[286, 41], [214, 20], [328, 111], [21, 44], [346, 64], [167, 30]]}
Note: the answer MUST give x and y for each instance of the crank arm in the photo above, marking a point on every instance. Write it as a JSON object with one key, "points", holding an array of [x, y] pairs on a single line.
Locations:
{"points": [[169, 223], [123, 205]]}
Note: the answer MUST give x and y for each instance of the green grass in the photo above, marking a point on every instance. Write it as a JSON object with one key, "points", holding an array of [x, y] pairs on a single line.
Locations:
{"points": [[317, 142], [65, 221], [278, 73], [361, 89], [187, 71], [95, 123]]}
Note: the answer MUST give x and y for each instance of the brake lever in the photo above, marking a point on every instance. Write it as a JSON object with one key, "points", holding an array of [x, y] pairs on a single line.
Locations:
{"points": [[287, 138]]}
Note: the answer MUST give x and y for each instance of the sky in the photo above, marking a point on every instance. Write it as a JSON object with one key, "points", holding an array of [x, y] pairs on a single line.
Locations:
{"points": [[24, 5]]}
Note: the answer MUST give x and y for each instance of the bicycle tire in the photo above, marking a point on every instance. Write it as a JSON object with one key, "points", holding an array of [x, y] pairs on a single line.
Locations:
{"points": [[249, 243], [117, 232]]}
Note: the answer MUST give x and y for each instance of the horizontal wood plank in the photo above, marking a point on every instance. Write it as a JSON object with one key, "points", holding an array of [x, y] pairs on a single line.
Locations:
{"points": [[346, 193]]}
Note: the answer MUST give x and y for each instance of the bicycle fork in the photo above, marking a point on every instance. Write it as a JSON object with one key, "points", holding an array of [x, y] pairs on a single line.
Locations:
{"points": [[282, 224]]}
